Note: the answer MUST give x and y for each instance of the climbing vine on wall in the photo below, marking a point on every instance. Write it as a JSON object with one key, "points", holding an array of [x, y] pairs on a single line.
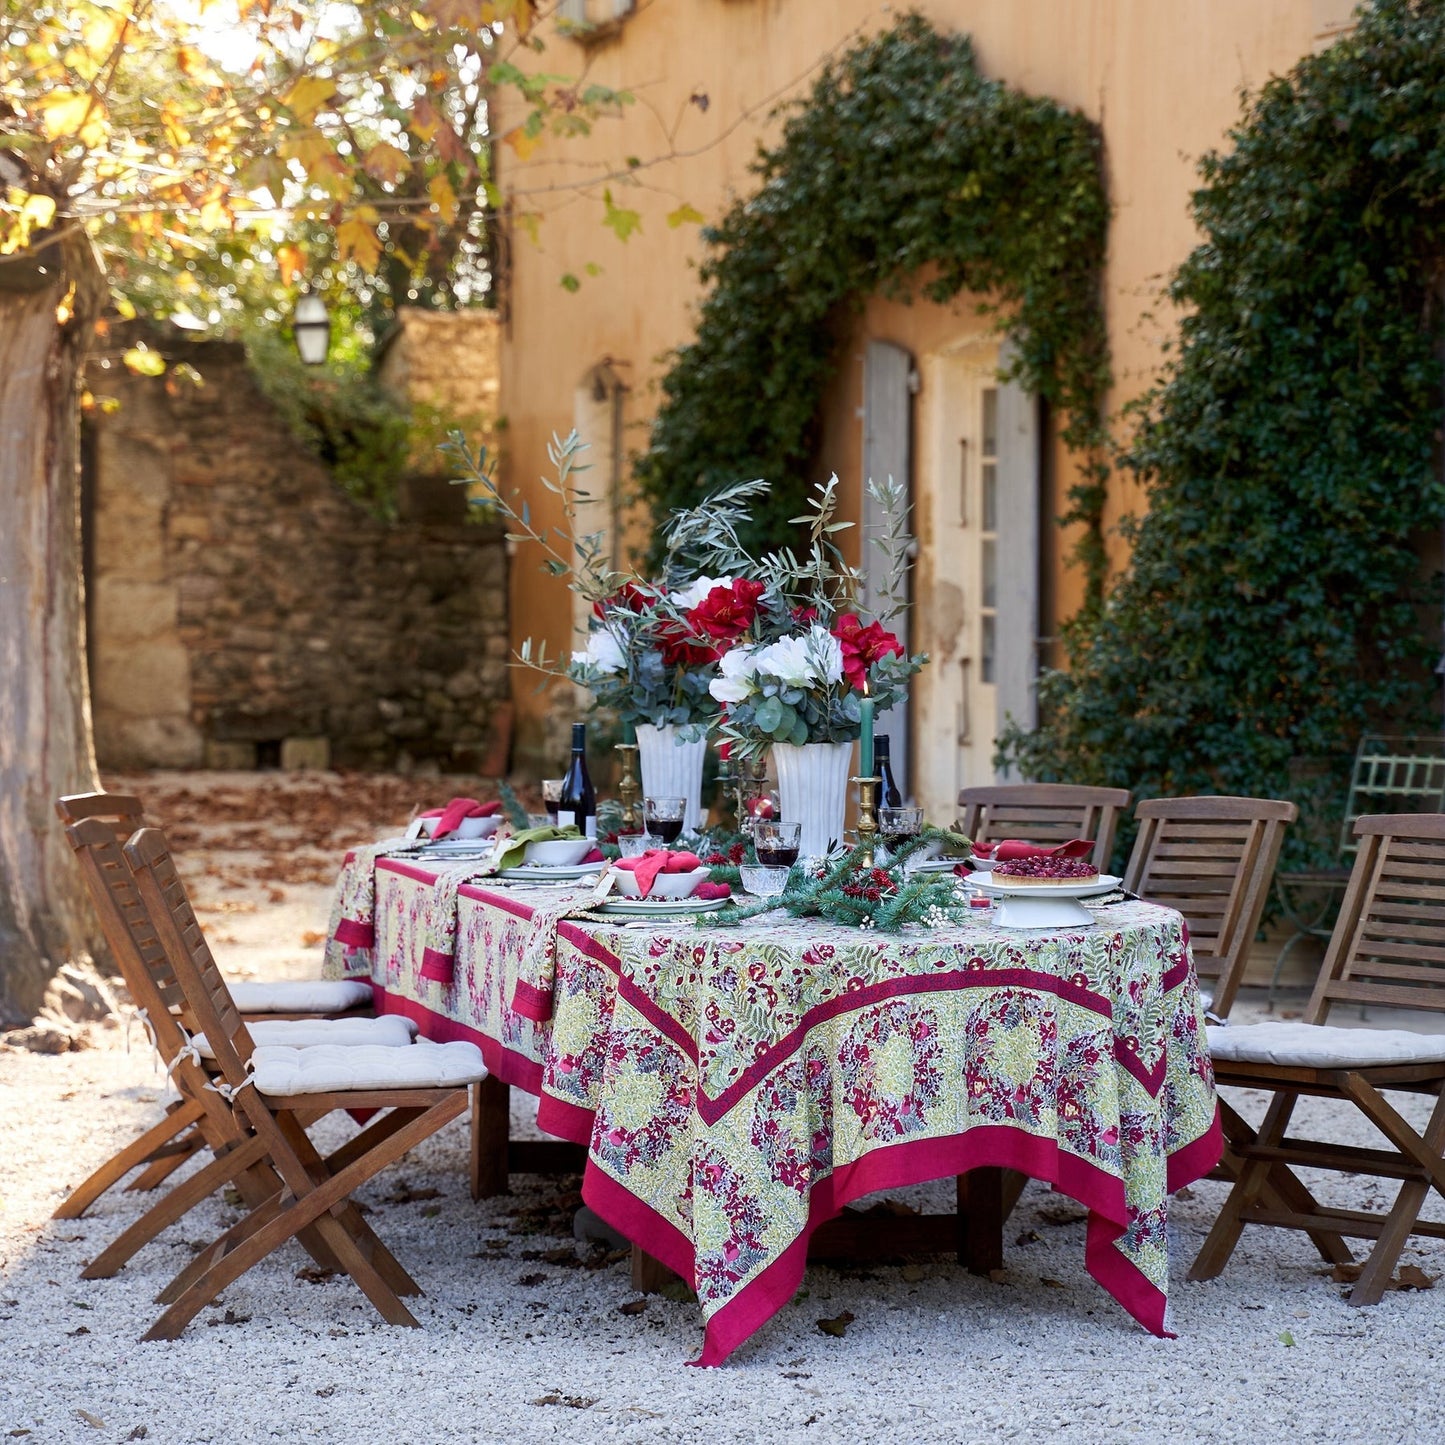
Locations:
{"points": [[1275, 603], [906, 170]]}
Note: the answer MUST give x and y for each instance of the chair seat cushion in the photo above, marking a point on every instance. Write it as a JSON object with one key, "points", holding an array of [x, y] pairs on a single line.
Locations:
{"points": [[1322, 1046], [301, 996], [327, 1067], [390, 1032]]}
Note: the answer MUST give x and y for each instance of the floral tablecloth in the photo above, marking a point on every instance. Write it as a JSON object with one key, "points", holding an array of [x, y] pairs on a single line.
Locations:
{"points": [[736, 1087]]}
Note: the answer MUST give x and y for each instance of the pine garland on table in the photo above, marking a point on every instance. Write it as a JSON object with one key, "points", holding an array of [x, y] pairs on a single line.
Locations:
{"points": [[845, 890]]}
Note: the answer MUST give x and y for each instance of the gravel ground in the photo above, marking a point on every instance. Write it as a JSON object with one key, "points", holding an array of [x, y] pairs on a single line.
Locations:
{"points": [[523, 1335]]}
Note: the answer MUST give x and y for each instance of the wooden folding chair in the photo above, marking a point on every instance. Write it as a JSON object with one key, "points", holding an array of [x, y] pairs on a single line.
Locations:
{"points": [[1044, 813], [274, 1090], [1387, 951], [138, 952], [1212, 859], [278, 999]]}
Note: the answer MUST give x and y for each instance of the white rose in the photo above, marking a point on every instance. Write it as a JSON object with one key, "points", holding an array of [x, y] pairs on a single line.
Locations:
{"points": [[686, 598], [737, 669], [788, 659], [603, 654]]}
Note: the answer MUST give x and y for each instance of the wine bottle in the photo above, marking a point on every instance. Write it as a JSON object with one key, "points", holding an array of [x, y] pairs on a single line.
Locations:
{"points": [[578, 803], [889, 795]]}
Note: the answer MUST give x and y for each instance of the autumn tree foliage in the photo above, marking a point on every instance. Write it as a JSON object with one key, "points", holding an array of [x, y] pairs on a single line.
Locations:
{"points": [[135, 135]]}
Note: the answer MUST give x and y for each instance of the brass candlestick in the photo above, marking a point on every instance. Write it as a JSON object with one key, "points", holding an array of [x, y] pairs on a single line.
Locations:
{"points": [[628, 788], [868, 816], [751, 775], [726, 791]]}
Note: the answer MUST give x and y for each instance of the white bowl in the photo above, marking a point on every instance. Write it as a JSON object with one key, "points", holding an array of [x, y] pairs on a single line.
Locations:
{"points": [[665, 885], [982, 865], [558, 852], [467, 828]]}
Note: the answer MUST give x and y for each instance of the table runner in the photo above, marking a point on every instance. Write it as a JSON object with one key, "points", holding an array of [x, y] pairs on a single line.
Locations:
{"points": [[736, 1087]]}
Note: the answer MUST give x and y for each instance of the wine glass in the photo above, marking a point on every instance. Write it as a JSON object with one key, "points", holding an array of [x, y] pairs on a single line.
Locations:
{"points": [[776, 843], [551, 796], [663, 817], [898, 825]]}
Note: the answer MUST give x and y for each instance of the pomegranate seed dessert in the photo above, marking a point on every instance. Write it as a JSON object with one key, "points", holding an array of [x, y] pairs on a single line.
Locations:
{"points": [[1035, 872]]}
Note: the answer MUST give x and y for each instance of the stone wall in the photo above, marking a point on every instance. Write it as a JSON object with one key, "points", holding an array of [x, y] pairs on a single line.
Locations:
{"points": [[245, 611]]}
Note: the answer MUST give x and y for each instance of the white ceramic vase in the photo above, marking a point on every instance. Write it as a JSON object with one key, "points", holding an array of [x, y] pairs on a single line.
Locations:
{"points": [[672, 768], [813, 791]]}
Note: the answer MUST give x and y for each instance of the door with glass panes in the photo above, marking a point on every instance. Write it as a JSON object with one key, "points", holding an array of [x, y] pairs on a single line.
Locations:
{"points": [[979, 586]]}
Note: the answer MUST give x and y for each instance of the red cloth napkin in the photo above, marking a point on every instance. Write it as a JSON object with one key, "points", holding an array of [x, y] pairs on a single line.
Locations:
{"points": [[459, 808], [712, 890], [657, 860], [1009, 848]]}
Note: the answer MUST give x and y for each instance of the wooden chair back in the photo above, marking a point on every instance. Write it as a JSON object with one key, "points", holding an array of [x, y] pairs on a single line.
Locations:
{"points": [[1212, 859], [1043, 813], [189, 962], [139, 953], [121, 812], [1388, 946]]}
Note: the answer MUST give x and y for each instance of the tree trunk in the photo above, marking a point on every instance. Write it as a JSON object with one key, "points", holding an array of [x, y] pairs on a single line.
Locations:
{"points": [[48, 306]]}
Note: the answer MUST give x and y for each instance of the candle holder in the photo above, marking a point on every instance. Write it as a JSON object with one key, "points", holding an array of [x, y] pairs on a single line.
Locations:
{"points": [[867, 816], [726, 791], [629, 790]]}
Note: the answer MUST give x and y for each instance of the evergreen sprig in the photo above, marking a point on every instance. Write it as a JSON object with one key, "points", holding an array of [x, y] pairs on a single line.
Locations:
{"points": [[840, 891]]}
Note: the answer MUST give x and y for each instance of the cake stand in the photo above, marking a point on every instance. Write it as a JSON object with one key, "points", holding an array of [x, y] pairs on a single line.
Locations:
{"points": [[1042, 905]]}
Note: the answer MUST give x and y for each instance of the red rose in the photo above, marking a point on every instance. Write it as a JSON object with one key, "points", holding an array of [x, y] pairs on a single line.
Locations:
{"points": [[681, 647], [805, 616], [727, 612], [862, 646]]}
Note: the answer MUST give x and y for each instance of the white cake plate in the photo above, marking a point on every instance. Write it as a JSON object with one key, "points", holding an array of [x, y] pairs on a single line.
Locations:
{"points": [[1046, 905]]}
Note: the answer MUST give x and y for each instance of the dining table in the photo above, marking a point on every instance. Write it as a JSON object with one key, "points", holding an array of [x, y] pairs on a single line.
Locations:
{"points": [[735, 1087]]}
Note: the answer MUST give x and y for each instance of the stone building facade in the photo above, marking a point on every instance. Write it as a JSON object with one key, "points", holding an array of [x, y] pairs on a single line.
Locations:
{"points": [[244, 611]]}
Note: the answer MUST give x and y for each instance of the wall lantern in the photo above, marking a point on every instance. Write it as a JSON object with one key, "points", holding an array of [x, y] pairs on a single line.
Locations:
{"points": [[311, 326]]}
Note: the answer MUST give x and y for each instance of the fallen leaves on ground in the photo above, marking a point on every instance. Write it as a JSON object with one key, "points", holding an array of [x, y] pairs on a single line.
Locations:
{"points": [[838, 1325], [572, 1402], [314, 1274], [1407, 1277], [632, 1307]]}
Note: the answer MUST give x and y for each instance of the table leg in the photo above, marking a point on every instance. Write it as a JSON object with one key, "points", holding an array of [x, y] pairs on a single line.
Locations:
{"points": [[491, 1121], [980, 1219], [648, 1274]]}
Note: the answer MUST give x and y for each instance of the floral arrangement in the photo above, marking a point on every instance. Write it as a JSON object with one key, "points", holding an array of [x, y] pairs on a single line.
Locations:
{"points": [[652, 655], [768, 649], [800, 673]]}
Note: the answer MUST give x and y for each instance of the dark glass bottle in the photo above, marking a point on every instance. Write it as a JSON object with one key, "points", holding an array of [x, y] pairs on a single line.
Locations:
{"points": [[889, 794], [578, 803]]}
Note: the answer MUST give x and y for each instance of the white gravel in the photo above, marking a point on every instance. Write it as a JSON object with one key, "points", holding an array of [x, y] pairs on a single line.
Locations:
{"points": [[942, 1357]]}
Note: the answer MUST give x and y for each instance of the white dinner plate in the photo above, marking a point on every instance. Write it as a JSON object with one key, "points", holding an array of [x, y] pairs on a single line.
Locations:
{"points": [[934, 865], [535, 873], [1105, 883], [659, 907]]}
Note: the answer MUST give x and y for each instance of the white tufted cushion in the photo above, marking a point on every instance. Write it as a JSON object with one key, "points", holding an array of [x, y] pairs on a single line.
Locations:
{"points": [[319, 1070], [390, 1032], [1323, 1046], [301, 996]]}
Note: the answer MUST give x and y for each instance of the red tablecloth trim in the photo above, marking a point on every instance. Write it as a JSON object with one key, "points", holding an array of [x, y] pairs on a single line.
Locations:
{"points": [[437, 966], [355, 934], [531, 1002], [895, 1166]]}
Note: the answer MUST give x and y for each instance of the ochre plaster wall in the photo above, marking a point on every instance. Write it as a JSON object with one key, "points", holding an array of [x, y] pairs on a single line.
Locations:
{"points": [[1163, 81]]}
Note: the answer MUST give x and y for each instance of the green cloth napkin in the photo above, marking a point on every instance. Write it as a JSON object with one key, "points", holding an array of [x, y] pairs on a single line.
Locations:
{"points": [[511, 851]]}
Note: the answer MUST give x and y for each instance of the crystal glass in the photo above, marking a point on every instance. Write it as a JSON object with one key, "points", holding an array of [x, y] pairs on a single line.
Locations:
{"points": [[663, 817], [897, 825], [763, 882], [775, 843], [634, 845], [551, 796]]}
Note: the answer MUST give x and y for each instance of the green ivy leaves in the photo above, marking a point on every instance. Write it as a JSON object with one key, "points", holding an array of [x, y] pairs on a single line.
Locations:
{"points": [[904, 157]]}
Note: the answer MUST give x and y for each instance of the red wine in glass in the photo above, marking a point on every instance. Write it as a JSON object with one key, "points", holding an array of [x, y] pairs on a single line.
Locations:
{"points": [[668, 829], [776, 855]]}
